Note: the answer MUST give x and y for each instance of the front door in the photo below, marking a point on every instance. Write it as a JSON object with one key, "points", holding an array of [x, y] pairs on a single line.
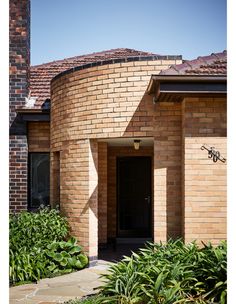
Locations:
{"points": [[134, 196]]}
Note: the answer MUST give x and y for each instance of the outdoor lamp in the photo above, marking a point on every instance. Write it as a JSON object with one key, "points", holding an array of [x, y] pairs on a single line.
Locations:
{"points": [[137, 144]]}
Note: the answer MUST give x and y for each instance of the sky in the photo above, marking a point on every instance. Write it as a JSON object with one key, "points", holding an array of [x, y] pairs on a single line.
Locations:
{"points": [[66, 28]]}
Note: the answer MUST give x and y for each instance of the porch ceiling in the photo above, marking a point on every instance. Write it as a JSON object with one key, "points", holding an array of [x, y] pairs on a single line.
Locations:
{"points": [[124, 142]]}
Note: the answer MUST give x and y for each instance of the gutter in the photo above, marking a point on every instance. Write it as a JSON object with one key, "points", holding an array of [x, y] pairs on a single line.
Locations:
{"points": [[163, 86]]}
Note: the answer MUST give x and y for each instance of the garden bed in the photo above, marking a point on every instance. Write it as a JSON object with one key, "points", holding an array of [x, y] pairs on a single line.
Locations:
{"points": [[166, 273], [40, 247]]}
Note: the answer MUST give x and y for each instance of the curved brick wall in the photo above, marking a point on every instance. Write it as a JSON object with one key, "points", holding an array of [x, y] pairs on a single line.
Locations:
{"points": [[95, 102], [100, 101]]}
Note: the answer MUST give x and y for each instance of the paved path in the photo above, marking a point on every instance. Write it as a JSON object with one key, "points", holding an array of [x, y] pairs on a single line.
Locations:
{"points": [[60, 289]]}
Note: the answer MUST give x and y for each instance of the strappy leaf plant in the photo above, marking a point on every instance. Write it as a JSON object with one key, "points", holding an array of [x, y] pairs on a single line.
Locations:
{"points": [[168, 274]]}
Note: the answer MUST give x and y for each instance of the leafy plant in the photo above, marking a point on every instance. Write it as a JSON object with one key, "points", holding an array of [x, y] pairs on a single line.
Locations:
{"points": [[28, 229], [38, 249], [168, 273], [65, 256]]}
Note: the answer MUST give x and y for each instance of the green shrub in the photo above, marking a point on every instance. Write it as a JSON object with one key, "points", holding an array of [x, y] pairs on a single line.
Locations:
{"points": [[37, 229], [37, 244], [170, 273], [65, 256]]}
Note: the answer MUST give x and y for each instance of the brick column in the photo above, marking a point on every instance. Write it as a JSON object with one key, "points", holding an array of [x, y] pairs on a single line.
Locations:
{"points": [[19, 56], [78, 191], [55, 178], [167, 170], [102, 193], [160, 196], [93, 200]]}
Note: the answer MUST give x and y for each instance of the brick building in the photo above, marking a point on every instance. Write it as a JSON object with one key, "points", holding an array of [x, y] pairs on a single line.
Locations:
{"points": [[117, 139]]}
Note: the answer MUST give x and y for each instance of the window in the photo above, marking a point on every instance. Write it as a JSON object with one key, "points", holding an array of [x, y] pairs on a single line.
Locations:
{"points": [[39, 179]]}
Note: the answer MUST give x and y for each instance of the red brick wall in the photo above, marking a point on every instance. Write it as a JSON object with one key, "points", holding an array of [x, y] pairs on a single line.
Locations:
{"points": [[19, 57], [18, 154]]}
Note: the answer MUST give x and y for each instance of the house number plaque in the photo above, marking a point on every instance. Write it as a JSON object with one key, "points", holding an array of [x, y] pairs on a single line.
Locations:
{"points": [[212, 153]]}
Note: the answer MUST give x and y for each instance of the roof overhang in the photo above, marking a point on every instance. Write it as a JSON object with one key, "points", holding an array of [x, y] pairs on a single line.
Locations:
{"points": [[176, 87], [34, 114]]}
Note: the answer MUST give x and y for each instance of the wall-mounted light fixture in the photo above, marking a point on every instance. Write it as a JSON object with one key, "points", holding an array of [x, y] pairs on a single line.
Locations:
{"points": [[154, 99], [137, 144]]}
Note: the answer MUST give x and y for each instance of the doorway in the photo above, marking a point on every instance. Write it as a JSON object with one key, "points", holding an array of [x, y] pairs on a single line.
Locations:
{"points": [[134, 197]]}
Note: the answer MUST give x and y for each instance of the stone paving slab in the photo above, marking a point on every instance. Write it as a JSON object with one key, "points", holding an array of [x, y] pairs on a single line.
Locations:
{"points": [[62, 288]]}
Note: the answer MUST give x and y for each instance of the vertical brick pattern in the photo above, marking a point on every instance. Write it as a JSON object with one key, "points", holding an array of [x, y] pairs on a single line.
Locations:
{"points": [[19, 57], [102, 192], [113, 153], [204, 180], [167, 170]]}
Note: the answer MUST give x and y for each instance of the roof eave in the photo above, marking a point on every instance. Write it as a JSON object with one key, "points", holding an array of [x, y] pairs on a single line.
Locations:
{"points": [[32, 110], [187, 85]]}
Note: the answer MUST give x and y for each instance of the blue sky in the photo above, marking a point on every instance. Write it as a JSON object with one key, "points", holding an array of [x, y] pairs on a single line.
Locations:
{"points": [[61, 28]]}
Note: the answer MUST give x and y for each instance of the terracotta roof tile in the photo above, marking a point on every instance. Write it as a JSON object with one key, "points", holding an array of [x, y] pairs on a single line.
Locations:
{"points": [[214, 64], [41, 75]]}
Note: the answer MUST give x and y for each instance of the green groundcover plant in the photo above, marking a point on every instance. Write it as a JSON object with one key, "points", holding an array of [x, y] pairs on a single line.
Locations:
{"points": [[40, 246], [167, 274]]}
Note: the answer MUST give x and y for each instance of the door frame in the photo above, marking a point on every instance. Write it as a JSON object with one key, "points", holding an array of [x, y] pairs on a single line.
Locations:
{"points": [[126, 235]]}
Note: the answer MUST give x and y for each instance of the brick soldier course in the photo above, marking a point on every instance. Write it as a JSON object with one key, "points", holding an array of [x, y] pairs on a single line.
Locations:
{"points": [[101, 102]]}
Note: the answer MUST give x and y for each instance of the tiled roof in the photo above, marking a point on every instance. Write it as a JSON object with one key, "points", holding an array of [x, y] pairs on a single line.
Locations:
{"points": [[41, 75], [214, 64]]}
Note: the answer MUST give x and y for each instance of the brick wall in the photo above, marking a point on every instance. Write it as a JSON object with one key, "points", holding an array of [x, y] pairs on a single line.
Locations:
{"points": [[18, 155], [102, 192], [167, 170], [205, 190], [78, 191], [55, 178], [109, 101], [39, 136], [104, 101], [19, 57]]}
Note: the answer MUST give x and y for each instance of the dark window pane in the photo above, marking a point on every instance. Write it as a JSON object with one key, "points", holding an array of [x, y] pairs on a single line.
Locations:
{"points": [[39, 179]]}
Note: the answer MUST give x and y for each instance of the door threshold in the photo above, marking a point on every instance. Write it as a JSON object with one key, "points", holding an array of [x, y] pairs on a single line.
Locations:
{"points": [[132, 240]]}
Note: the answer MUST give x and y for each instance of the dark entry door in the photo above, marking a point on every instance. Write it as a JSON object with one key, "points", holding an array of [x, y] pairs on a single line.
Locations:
{"points": [[134, 196]]}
